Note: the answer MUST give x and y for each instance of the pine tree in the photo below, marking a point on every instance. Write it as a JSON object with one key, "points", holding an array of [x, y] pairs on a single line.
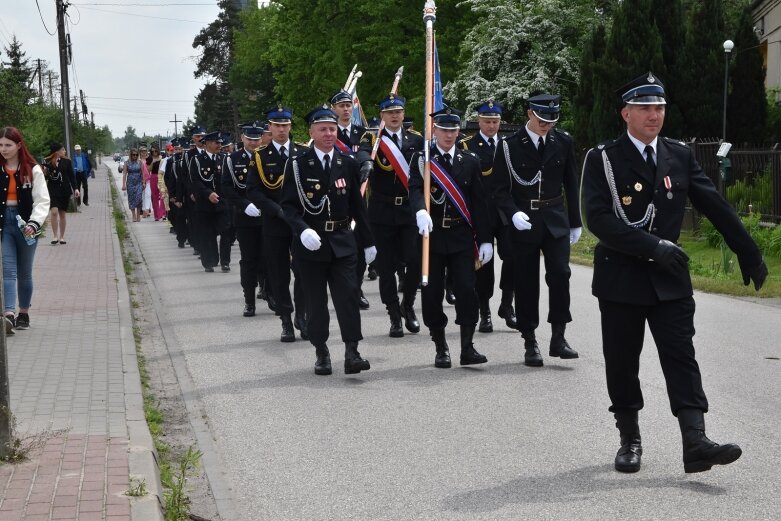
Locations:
{"points": [[747, 106], [668, 15]]}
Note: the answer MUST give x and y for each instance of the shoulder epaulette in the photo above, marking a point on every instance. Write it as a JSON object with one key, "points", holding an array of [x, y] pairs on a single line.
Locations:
{"points": [[415, 132], [301, 144], [675, 142], [263, 147], [606, 144]]}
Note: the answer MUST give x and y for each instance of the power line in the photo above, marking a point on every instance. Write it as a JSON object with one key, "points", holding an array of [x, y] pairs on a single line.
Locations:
{"points": [[145, 15], [148, 5], [42, 20], [142, 99]]}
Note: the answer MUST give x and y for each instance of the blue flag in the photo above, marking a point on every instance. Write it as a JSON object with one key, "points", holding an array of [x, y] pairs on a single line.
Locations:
{"points": [[438, 103]]}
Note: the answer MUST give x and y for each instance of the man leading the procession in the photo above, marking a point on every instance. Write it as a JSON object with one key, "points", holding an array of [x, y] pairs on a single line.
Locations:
{"points": [[531, 168], [392, 219], [239, 168], [483, 144], [457, 224], [320, 197], [635, 194], [348, 138], [264, 189]]}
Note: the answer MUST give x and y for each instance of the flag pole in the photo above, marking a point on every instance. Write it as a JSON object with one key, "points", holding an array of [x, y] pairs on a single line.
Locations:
{"points": [[429, 16]]}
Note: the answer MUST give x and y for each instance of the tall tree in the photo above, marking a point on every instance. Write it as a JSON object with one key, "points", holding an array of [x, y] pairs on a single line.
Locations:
{"points": [[668, 15], [747, 106], [15, 92]]}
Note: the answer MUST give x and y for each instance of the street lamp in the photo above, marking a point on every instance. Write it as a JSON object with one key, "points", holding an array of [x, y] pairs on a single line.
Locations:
{"points": [[728, 46]]}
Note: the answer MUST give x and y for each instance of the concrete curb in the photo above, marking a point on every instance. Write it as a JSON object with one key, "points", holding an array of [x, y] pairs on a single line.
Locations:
{"points": [[142, 456]]}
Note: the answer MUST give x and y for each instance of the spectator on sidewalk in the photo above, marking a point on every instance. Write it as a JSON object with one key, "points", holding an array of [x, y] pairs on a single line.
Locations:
{"points": [[24, 196], [82, 169], [62, 184], [156, 202], [133, 183]]}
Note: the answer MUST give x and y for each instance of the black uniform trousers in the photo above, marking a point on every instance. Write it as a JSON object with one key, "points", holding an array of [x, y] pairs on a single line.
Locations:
{"points": [[179, 220], [278, 265], [526, 276], [251, 263], [672, 326], [397, 243], [83, 187], [338, 274], [227, 237], [462, 267], [205, 230], [485, 275], [190, 218]]}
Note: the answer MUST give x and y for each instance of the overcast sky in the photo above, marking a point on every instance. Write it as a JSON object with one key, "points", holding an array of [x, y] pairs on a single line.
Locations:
{"points": [[139, 49]]}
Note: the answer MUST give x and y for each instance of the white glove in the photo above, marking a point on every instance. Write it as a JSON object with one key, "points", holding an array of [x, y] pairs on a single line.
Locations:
{"points": [[574, 234], [425, 224], [521, 221], [485, 252], [252, 210], [310, 239], [370, 253]]}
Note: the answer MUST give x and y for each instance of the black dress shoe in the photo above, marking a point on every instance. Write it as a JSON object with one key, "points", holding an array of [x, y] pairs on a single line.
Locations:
{"points": [[410, 319], [506, 312], [450, 297], [353, 363], [225, 268], [181, 245], [372, 273], [363, 304], [629, 455], [323, 361], [209, 270], [249, 310], [288, 333], [300, 323]]}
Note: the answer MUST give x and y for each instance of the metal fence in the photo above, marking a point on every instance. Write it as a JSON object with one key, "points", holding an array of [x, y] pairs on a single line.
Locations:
{"points": [[753, 183]]}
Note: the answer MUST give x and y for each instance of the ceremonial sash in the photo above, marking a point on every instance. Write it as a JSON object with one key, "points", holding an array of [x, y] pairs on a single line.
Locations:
{"points": [[453, 193], [343, 148], [396, 159]]}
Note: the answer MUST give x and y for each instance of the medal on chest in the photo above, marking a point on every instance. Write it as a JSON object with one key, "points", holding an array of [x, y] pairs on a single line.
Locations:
{"points": [[669, 186]]}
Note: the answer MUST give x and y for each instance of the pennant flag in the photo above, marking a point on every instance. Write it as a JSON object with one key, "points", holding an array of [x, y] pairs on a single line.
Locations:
{"points": [[358, 118], [439, 104]]}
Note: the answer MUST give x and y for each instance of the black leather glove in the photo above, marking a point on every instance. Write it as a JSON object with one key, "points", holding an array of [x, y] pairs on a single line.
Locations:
{"points": [[757, 274], [670, 257], [366, 169]]}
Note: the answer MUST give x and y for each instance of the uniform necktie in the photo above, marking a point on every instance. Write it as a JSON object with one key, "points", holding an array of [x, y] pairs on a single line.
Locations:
{"points": [[448, 164], [541, 146], [327, 164], [649, 158], [345, 136], [491, 143], [395, 139], [283, 153]]}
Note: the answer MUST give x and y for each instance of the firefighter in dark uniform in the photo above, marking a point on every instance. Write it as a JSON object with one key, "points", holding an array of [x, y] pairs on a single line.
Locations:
{"points": [[531, 168], [226, 223], [349, 138], [453, 231], [264, 189], [239, 168], [170, 177], [483, 144], [204, 183], [392, 221], [635, 192], [184, 189], [320, 197]]}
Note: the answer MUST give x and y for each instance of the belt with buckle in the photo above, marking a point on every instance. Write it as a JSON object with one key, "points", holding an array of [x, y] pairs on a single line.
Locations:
{"points": [[394, 200], [450, 222], [536, 204], [330, 226]]}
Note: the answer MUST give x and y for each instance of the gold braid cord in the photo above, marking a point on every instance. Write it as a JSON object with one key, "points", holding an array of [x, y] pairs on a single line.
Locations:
{"points": [[262, 174]]}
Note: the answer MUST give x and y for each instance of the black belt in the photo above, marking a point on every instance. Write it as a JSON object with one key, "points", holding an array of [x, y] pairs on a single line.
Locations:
{"points": [[536, 204], [394, 200], [450, 222], [329, 226]]}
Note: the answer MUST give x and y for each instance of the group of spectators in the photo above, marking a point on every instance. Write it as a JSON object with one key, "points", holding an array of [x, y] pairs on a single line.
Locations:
{"points": [[146, 192]]}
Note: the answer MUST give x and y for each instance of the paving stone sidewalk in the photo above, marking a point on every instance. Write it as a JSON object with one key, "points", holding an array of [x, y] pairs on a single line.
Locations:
{"points": [[74, 383]]}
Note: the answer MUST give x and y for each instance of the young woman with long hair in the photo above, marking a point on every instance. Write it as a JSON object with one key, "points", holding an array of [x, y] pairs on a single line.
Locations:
{"points": [[62, 184], [24, 198]]}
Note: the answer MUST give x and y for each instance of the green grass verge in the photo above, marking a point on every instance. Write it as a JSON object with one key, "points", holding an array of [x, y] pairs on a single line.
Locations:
{"points": [[706, 267]]}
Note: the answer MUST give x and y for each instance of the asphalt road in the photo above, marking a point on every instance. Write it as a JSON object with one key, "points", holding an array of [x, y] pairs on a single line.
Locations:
{"points": [[498, 441]]}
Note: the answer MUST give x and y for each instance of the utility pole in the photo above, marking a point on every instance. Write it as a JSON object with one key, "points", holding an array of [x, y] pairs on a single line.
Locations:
{"points": [[5, 396], [75, 113], [64, 91], [40, 81], [51, 91], [92, 119], [175, 121]]}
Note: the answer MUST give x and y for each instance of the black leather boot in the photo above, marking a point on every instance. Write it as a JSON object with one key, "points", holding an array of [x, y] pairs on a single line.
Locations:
{"points": [[450, 297], [700, 453], [363, 303], [353, 363], [506, 310], [629, 455], [272, 302], [408, 312], [300, 323], [442, 358], [486, 325], [394, 312], [288, 334], [558, 344], [469, 355], [249, 303], [532, 357], [323, 362]]}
